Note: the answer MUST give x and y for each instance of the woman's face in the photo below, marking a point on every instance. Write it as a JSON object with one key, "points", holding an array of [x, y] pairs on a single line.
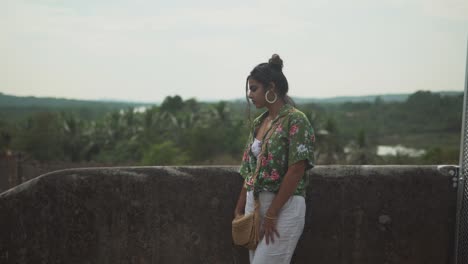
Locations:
{"points": [[257, 93]]}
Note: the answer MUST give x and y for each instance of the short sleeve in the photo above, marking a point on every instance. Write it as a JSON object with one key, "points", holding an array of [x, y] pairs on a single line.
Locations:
{"points": [[301, 141]]}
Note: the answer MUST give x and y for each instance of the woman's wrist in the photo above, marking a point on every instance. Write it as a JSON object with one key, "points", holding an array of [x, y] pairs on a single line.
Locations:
{"points": [[271, 214], [270, 217]]}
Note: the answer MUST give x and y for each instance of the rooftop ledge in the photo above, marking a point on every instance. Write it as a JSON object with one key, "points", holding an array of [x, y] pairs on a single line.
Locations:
{"points": [[355, 214]]}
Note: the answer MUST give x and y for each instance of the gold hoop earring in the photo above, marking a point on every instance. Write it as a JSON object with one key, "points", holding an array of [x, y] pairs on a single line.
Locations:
{"points": [[272, 101]]}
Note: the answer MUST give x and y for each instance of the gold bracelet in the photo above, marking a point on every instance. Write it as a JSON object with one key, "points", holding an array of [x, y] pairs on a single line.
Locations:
{"points": [[269, 217]]}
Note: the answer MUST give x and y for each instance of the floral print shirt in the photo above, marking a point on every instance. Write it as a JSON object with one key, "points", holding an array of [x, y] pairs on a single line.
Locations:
{"points": [[292, 141]]}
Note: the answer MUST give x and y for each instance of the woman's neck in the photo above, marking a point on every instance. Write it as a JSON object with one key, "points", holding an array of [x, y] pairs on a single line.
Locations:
{"points": [[273, 109]]}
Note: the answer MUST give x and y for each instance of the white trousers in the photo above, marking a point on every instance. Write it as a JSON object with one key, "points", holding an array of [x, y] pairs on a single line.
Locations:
{"points": [[290, 225]]}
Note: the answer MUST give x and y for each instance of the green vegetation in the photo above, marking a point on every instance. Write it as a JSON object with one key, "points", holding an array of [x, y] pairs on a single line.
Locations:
{"points": [[15, 109], [182, 132]]}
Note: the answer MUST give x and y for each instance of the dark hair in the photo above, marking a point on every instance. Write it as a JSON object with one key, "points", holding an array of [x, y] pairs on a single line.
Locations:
{"points": [[271, 71]]}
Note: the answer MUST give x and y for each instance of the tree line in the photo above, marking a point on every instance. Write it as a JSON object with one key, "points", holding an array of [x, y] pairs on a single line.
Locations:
{"points": [[188, 132]]}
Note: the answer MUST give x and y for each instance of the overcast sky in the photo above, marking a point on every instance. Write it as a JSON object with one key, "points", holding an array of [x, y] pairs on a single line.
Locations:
{"points": [[146, 50]]}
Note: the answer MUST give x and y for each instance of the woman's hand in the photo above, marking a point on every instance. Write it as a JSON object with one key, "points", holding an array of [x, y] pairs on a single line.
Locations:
{"points": [[269, 228]]}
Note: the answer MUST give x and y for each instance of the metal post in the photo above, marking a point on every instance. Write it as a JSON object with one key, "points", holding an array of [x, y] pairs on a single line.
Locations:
{"points": [[461, 229]]}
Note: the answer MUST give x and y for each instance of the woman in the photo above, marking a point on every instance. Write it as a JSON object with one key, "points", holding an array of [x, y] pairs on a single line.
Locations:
{"points": [[281, 182]]}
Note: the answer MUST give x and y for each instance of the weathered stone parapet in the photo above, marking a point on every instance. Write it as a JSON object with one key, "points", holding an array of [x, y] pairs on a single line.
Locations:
{"points": [[355, 214]]}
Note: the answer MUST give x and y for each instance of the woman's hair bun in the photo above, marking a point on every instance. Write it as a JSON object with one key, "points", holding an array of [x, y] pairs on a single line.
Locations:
{"points": [[276, 62]]}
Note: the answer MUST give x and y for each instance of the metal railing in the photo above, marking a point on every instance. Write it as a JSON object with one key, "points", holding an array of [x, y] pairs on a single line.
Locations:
{"points": [[461, 234]]}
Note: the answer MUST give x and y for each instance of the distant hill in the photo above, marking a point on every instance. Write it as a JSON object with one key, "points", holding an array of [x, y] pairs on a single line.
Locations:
{"points": [[11, 101], [15, 108], [50, 102], [355, 99], [367, 98]]}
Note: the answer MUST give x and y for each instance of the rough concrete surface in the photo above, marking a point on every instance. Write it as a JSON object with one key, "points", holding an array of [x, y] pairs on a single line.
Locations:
{"points": [[355, 214]]}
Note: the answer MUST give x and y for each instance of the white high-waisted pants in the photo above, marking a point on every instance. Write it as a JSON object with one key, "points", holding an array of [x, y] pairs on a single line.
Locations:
{"points": [[290, 225]]}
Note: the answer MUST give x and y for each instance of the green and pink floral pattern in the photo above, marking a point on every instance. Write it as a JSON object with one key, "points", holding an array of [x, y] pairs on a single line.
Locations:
{"points": [[292, 141]]}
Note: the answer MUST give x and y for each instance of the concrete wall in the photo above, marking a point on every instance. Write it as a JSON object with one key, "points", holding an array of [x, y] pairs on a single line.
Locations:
{"points": [[355, 214], [16, 168]]}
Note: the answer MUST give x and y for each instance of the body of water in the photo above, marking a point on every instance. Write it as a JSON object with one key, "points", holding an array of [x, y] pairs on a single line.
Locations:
{"points": [[383, 150]]}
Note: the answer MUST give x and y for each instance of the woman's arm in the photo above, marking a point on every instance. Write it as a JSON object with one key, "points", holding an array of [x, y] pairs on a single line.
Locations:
{"points": [[287, 188], [240, 207]]}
